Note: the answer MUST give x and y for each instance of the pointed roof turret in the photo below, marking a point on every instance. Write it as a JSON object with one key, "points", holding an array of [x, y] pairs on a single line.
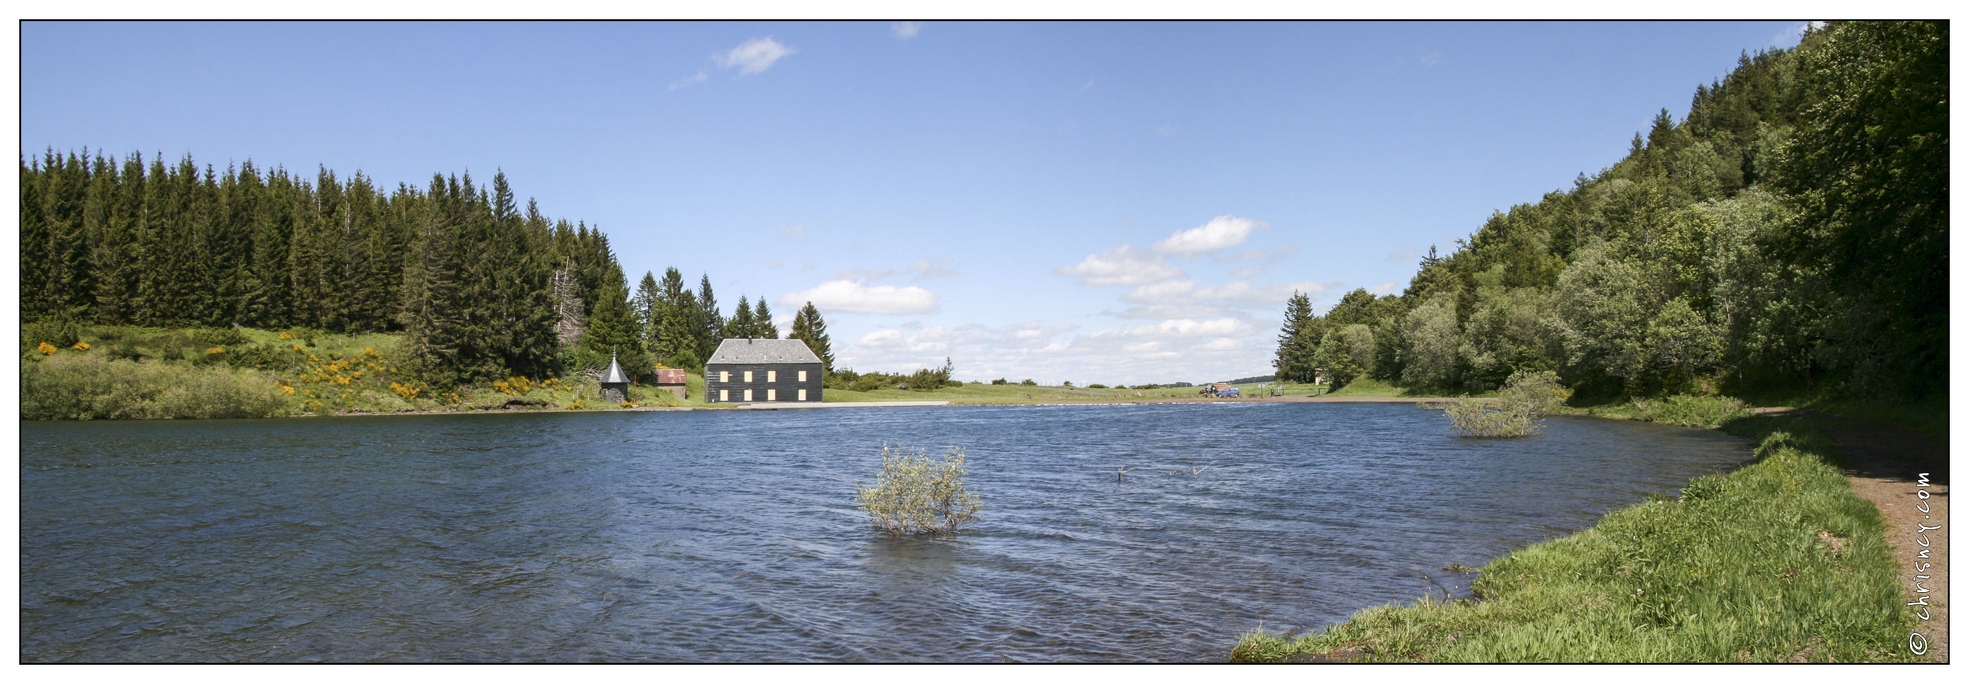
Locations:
{"points": [[614, 374]]}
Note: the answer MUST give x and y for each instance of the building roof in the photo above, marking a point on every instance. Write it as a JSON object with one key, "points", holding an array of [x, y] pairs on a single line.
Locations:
{"points": [[614, 374], [762, 351]]}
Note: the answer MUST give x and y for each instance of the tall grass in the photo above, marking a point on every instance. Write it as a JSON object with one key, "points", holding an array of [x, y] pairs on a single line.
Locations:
{"points": [[1684, 410], [1777, 562], [93, 387]]}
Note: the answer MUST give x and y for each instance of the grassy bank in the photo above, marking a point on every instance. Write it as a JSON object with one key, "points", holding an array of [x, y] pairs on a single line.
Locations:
{"points": [[983, 394], [1683, 410], [128, 372], [1776, 562]]}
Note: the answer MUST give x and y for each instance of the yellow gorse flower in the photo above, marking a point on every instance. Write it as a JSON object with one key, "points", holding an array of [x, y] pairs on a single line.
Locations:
{"points": [[45, 349], [80, 346]]}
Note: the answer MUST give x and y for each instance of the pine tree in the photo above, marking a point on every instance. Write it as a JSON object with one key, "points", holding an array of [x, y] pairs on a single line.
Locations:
{"points": [[35, 299], [741, 325], [1294, 359], [646, 307], [676, 333], [113, 259], [762, 319], [809, 328], [612, 330], [448, 334], [711, 323], [522, 309]]}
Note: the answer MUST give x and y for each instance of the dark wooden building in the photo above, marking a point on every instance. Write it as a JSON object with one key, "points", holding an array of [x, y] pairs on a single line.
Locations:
{"points": [[749, 370]]}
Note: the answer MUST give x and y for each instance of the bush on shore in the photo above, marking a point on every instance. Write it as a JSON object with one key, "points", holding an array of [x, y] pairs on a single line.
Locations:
{"points": [[93, 387], [1777, 562]]}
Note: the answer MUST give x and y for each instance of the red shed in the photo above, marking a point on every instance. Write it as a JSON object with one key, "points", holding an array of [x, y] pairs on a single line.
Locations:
{"points": [[671, 379]]}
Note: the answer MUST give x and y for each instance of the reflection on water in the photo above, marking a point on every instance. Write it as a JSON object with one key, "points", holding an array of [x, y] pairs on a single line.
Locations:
{"points": [[733, 536]]}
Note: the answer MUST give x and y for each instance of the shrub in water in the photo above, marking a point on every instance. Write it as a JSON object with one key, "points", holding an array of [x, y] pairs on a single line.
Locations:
{"points": [[1524, 398], [915, 495]]}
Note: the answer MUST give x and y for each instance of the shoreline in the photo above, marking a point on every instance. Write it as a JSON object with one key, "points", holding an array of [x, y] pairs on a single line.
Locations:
{"points": [[1881, 464], [761, 406]]}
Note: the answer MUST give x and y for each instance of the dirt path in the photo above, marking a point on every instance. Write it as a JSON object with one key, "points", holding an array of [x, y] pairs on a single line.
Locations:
{"points": [[1884, 464]]}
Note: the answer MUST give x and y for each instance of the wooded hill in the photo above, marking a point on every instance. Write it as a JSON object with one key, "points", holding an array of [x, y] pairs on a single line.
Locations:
{"points": [[482, 288], [1789, 236]]}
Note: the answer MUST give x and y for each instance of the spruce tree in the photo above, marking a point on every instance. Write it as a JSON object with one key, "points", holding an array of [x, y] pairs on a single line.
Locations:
{"points": [[35, 300], [762, 318], [741, 325], [676, 337], [809, 328], [612, 330], [710, 323], [1294, 359], [646, 308]]}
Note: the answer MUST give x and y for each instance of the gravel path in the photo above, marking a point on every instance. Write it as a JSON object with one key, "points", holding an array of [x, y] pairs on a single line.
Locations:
{"points": [[1885, 464]]}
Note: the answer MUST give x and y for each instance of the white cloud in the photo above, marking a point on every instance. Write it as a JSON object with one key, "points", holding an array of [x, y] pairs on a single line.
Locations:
{"points": [[865, 275], [1234, 293], [1182, 349], [691, 80], [905, 30], [1166, 130], [1404, 254], [1121, 266], [1431, 59], [1089, 84], [1184, 327], [930, 269], [851, 296], [754, 56], [1223, 232], [1382, 289], [794, 232]]}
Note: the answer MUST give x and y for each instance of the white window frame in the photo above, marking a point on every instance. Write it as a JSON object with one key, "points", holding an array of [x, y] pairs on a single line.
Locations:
{"points": [[724, 395], [772, 376], [803, 393], [748, 395], [748, 376], [803, 378], [772, 394], [724, 376]]}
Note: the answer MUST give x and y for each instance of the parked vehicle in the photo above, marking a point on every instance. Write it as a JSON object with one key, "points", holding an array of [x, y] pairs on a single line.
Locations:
{"points": [[1229, 392]]}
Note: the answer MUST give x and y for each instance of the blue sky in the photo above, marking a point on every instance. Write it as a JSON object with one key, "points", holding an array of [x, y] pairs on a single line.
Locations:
{"points": [[1094, 202]]}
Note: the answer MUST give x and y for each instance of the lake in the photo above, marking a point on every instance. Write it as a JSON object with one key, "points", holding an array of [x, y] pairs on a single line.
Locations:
{"points": [[733, 536]]}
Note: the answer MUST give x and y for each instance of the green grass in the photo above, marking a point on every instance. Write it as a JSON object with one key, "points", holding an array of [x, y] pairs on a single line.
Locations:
{"points": [[1684, 410], [1929, 418], [1366, 387], [139, 372], [984, 394], [1776, 562]]}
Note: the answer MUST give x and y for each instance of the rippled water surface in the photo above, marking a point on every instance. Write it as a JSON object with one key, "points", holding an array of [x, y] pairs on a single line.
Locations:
{"points": [[733, 536]]}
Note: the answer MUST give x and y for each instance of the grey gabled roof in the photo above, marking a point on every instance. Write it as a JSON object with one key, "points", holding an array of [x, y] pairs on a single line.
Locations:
{"points": [[762, 351], [614, 374]]}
